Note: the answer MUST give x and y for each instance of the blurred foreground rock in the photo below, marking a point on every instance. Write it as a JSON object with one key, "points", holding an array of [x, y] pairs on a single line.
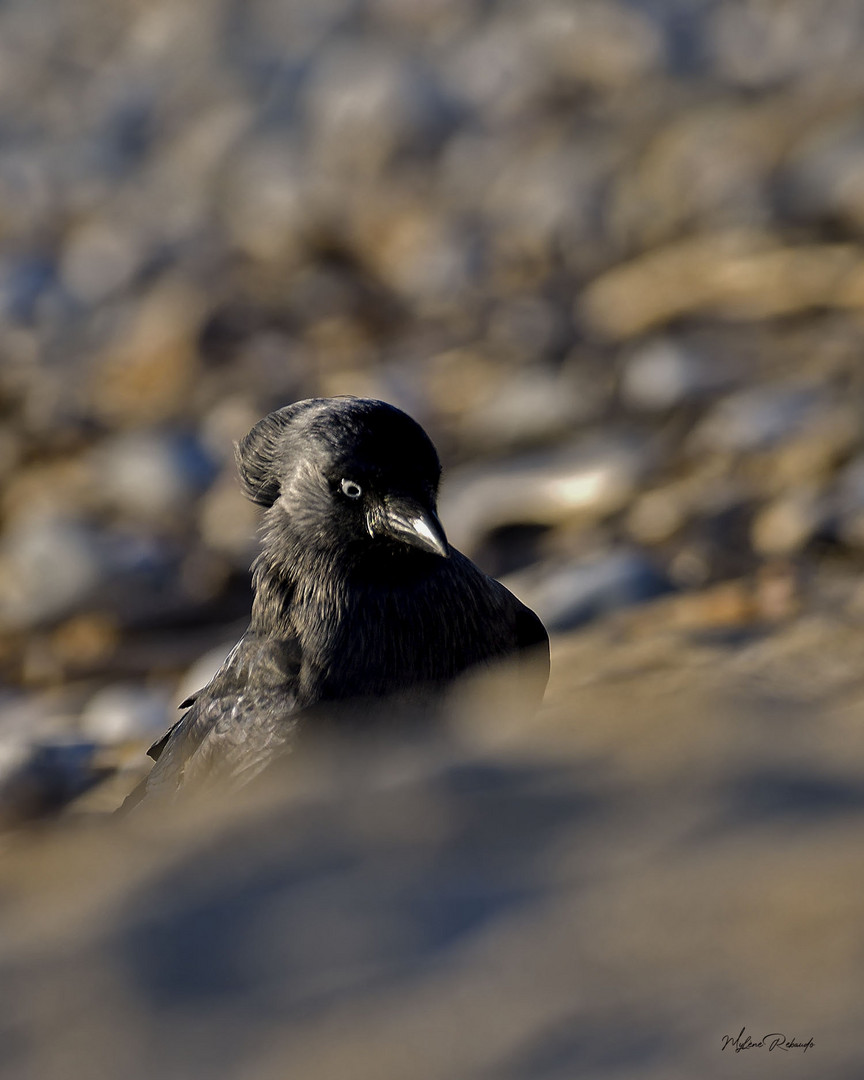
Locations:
{"points": [[669, 851]]}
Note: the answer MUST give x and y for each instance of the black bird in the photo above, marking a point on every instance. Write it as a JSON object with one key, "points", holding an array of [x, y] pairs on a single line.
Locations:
{"points": [[358, 595]]}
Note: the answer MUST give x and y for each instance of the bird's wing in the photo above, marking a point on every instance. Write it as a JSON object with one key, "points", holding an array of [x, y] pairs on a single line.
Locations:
{"points": [[225, 741], [242, 719]]}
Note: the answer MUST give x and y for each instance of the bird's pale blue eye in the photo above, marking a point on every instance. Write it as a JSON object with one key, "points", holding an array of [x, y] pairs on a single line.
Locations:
{"points": [[351, 489]]}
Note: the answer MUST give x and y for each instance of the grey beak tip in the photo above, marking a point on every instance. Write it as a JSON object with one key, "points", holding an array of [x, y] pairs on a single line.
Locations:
{"points": [[430, 538], [415, 525]]}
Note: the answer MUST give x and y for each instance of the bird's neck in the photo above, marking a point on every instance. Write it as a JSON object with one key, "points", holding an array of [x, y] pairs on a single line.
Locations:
{"points": [[288, 576], [316, 582], [271, 605]]}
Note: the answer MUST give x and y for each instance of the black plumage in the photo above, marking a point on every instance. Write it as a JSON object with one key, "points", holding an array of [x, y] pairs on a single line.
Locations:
{"points": [[358, 596]]}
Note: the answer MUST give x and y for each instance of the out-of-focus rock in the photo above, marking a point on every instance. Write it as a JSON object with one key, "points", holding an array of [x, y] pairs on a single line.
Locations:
{"points": [[48, 778], [715, 157], [61, 485], [543, 197], [505, 69], [99, 259], [85, 640], [582, 483], [657, 515], [10, 452], [52, 566], [226, 423], [460, 381], [29, 288], [815, 449], [147, 374], [13, 754], [491, 72], [788, 523], [363, 103], [532, 406], [697, 507], [664, 373], [28, 719], [125, 711], [737, 274], [608, 46], [420, 253], [268, 203], [151, 475], [759, 418], [567, 596], [758, 47], [823, 177], [849, 503], [771, 596], [49, 565], [228, 520], [527, 326]]}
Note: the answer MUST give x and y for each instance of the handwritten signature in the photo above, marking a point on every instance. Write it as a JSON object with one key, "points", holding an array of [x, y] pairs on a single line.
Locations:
{"points": [[774, 1040]]}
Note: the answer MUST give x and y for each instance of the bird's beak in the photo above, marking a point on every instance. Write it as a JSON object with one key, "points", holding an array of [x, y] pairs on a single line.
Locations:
{"points": [[404, 519]]}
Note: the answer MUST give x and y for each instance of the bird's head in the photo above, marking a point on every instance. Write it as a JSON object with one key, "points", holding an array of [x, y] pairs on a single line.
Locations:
{"points": [[345, 474]]}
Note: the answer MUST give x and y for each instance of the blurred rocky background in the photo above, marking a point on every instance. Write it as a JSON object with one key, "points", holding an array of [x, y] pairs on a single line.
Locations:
{"points": [[611, 255]]}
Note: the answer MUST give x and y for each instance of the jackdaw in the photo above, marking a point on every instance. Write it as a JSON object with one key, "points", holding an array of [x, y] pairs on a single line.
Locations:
{"points": [[359, 598]]}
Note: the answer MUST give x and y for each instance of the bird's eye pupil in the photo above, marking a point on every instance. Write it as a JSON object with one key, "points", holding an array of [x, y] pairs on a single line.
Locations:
{"points": [[351, 489]]}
